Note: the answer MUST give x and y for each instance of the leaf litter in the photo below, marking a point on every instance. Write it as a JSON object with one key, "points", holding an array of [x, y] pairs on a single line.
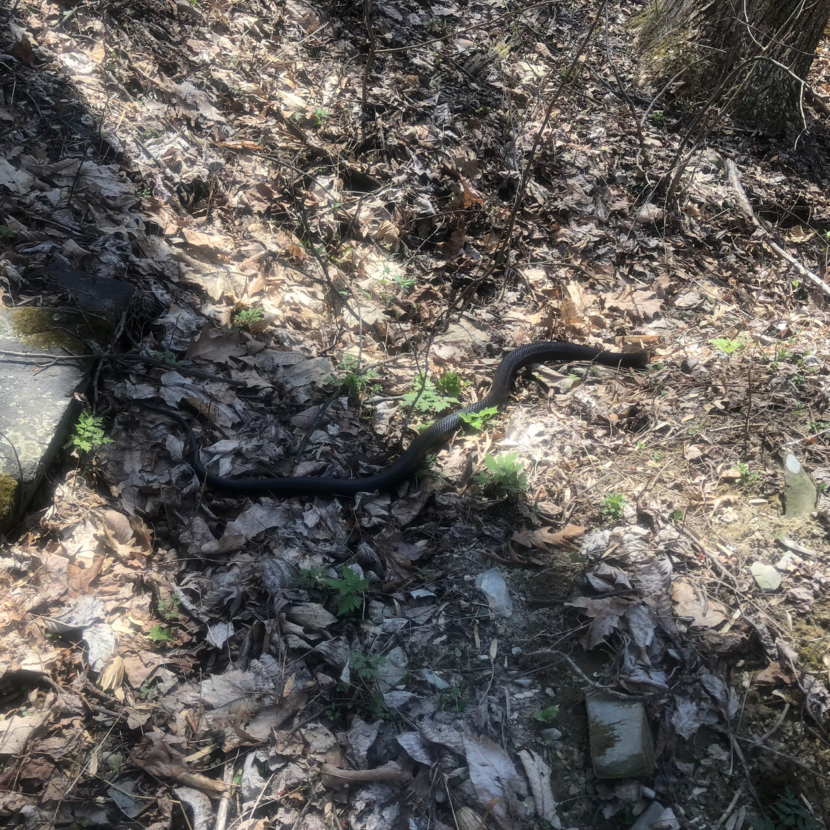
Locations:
{"points": [[165, 647]]}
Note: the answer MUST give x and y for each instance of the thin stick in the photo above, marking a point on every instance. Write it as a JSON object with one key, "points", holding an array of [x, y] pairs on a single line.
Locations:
{"points": [[370, 58], [734, 180], [225, 800], [69, 358], [624, 93]]}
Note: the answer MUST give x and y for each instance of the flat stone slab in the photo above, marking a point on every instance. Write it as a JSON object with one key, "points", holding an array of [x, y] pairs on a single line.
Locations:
{"points": [[799, 490], [652, 814], [37, 399], [621, 742]]}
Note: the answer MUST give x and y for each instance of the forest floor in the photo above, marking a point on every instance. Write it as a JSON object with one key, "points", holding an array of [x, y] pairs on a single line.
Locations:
{"points": [[311, 239]]}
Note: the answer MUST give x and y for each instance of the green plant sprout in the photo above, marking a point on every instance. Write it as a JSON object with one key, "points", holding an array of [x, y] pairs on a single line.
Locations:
{"points": [[159, 635], [366, 666], [478, 420], [322, 115], [547, 714], [428, 398], [453, 700], [747, 476], [247, 316], [89, 432], [728, 345], [503, 473], [788, 813], [356, 379], [450, 384], [350, 588], [612, 505]]}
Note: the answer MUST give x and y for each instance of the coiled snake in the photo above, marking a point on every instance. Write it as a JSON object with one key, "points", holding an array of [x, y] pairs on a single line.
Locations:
{"points": [[410, 461]]}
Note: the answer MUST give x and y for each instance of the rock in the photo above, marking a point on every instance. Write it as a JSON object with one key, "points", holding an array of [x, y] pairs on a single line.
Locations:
{"points": [[550, 735], [651, 814], [37, 404], [621, 743], [393, 671], [799, 490], [491, 584], [766, 577]]}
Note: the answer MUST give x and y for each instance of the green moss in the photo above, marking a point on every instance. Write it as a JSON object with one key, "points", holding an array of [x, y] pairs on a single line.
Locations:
{"points": [[8, 498], [47, 328]]}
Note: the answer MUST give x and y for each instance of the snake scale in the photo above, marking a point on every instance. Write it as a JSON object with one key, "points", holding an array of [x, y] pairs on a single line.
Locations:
{"points": [[400, 470]]}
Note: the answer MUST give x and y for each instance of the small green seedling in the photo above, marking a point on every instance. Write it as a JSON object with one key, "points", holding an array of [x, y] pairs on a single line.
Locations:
{"points": [[89, 432], [818, 426], [747, 476], [6, 233], [427, 468], [356, 379], [159, 635], [167, 356], [366, 666], [503, 473], [728, 345], [350, 588], [788, 812], [427, 399], [658, 118], [612, 505], [406, 284], [311, 579], [453, 700], [450, 384], [547, 714], [322, 115], [168, 608], [478, 420], [247, 317]]}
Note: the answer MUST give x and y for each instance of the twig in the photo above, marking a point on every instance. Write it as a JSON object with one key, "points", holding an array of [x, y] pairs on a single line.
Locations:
{"points": [[624, 93], [585, 679], [791, 759], [225, 800], [64, 358], [370, 58], [456, 32], [76, 177], [774, 729], [725, 572], [748, 409], [504, 241], [317, 418], [734, 180]]}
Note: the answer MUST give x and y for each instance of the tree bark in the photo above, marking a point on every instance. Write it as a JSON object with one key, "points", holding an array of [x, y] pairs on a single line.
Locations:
{"points": [[750, 56]]}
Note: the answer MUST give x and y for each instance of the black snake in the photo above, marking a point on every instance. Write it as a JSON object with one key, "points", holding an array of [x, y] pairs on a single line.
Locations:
{"points": [[410, 461]]}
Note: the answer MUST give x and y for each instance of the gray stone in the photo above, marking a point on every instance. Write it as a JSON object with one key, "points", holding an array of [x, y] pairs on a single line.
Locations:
{"points": [[621, 742], [799, 490], [37, 399], [766, 576], [493, 586], [651, 814]]}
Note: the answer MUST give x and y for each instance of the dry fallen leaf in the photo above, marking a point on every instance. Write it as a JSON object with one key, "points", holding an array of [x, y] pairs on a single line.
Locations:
{"points": [[219, 348], [704, 612], [547, 537]]}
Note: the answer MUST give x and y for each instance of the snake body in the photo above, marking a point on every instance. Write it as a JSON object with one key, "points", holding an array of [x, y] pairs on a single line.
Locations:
{"points": [[400, 470]]}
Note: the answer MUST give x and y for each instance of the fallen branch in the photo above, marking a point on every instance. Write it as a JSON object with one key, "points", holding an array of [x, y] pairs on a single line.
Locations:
{"points": [[734, 180], [126, 358], [390, 772]]}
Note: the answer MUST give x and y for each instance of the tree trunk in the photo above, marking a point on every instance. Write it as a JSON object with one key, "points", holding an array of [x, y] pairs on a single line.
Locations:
{"points": [[748, 55]]}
